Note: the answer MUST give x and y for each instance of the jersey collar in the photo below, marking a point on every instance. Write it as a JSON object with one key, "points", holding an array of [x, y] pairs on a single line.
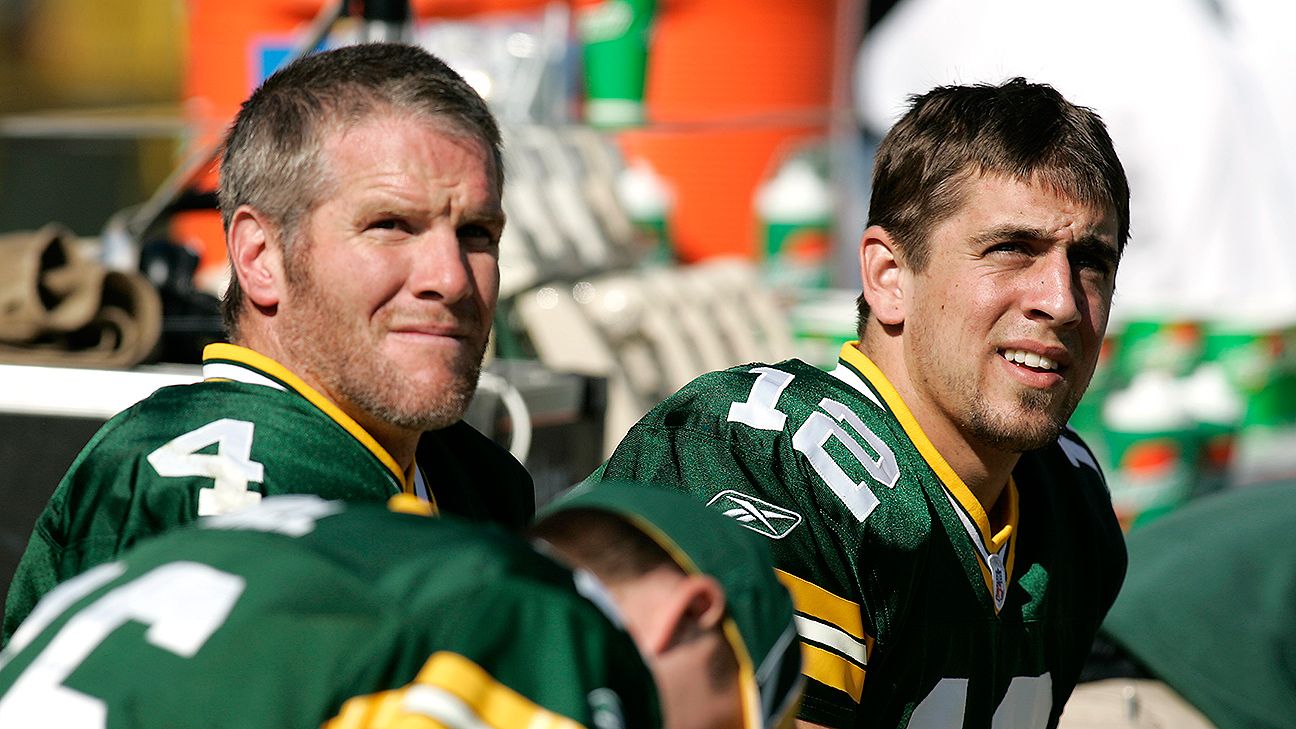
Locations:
{"points": [[231, 362], [996, 551]]}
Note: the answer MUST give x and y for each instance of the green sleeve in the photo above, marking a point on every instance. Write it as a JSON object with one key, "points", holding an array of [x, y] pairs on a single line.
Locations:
{"points": [[108, 500], [35, 577]]}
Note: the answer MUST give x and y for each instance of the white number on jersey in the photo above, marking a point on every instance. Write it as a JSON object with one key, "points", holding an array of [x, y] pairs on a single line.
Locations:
{"points": [[231, 466], [293, 515], [182, 604], [1026, 704], [760, 410]]}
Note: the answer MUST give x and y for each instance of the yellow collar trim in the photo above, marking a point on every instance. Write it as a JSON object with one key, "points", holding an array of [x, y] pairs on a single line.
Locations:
{"points": [[994, 542], [262, 364]]}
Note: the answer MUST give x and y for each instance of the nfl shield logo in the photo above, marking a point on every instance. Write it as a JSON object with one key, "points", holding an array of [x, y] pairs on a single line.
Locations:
{"points": [[999, 576]]}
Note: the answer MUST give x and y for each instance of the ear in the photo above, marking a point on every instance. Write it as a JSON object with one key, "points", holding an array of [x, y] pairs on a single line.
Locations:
{"points": [[257, 256], [694, 606], [881, 272]]}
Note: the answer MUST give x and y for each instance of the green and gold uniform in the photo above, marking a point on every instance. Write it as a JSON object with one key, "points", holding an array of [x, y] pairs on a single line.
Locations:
{"points": [[302, 612], [251, 428], [1210, 605], [913, 610]]}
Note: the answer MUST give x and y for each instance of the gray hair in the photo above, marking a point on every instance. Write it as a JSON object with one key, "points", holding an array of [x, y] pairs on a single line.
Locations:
{"points": [[271, 157]]}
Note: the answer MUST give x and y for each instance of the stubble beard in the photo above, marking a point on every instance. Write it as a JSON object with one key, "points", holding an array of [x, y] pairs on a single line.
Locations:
{"points": [[412, 411], [1033, 423], [334, 348]]}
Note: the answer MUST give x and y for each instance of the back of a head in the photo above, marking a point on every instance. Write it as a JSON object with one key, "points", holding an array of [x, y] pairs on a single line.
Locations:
{"points": [[604, 544], [1020, 130], [620, 530], [272, 153]]}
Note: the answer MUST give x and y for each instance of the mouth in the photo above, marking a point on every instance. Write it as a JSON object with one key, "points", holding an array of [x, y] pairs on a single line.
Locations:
{"points": [[1032, 361], [433, 326], [431, 332], [440, 336]]}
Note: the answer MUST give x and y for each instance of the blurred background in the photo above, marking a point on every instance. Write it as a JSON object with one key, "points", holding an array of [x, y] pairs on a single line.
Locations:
{"points": [[688, 180]]}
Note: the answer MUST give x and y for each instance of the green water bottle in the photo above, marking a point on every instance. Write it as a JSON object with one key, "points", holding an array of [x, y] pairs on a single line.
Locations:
{"points": [[615, 35]]}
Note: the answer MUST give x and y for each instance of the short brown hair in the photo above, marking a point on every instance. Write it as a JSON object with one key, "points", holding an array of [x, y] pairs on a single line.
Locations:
{"points": [[951, 134], [271, 154], [607, 545], [617, 551]]}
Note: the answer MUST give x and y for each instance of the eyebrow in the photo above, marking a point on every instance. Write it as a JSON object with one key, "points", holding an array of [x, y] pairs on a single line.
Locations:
{"points": [[1087, 243], [491, 216], [1010, 232], [1098, 248]]}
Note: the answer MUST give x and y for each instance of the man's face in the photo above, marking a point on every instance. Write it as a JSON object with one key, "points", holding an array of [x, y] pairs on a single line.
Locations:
{"points": [[1003, 327], [393, 281]]}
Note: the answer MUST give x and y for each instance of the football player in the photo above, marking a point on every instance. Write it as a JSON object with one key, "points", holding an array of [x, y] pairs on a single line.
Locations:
{"points": [[303, 612], [949, 544], [1204, 629], [360, 194]]}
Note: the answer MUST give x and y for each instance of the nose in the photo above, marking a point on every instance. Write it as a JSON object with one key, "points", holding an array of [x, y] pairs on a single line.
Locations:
{"points": [[1053, 294], [439, 269]]}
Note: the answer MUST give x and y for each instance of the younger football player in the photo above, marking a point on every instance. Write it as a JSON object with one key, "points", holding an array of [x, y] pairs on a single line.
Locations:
{"points": [[949, 544], [303, 612]]}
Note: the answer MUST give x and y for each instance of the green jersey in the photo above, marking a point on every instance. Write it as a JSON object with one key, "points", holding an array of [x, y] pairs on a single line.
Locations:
{"points": [[912, 608], [251, 428], [302, 612], [1210, 605]]}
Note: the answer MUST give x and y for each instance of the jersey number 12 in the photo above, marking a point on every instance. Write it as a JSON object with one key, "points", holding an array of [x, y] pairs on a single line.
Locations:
{"points": [[868, 450]]}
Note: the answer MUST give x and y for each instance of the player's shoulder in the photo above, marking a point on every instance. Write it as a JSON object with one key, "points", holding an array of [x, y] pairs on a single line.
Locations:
{"points": [[383, 546], [176, 409], [1073, 485], [1069, 459], [796, 373], [203, 409], [790, 385], [475, 477], [474, 447]]}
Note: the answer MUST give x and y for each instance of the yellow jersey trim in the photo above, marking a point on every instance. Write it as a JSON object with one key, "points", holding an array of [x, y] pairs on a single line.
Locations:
{"points": [[991, 543], [832, 670], [817, 602], [410, 504], [465, 684], [259, 362]]}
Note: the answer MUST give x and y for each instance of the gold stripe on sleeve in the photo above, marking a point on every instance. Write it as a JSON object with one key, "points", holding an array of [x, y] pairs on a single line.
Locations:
{"points": [[832, 670], [813, 600]]}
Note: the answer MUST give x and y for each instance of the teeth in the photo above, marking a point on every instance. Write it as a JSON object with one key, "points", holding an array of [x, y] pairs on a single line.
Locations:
{"points": [[1030, 359]]}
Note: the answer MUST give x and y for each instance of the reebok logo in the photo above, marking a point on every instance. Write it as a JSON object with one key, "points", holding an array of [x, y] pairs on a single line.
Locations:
{"points": [[756, 514]]}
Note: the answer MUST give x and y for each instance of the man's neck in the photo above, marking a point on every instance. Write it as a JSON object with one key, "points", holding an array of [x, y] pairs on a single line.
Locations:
{"points": [[399, 443], [983, 469]]}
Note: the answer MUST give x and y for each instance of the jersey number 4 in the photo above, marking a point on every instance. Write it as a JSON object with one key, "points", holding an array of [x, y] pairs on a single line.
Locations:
{"points": [[231, 466], [760, 410]]}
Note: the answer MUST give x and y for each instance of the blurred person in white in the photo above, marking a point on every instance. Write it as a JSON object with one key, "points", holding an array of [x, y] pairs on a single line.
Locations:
{"points": [[1261, 32], [1210, 188]]}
